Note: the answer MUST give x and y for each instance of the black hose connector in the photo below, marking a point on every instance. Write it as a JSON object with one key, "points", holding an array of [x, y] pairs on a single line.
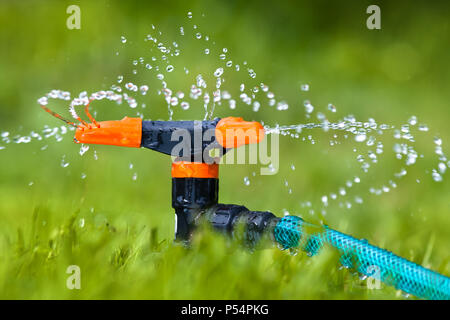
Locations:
{"points": [[228, 218], [196, 199]]}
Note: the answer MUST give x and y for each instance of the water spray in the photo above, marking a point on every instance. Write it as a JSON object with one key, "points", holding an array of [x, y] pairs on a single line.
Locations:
{"points": [[195, 190]]}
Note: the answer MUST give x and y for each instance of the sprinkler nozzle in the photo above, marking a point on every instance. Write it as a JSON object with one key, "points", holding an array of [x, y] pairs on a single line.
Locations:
{"points": [[234, 132], [124, 133]]}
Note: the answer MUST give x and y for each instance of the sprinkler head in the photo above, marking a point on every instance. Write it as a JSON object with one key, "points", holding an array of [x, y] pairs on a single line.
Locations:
{"points": [[185, 140]]}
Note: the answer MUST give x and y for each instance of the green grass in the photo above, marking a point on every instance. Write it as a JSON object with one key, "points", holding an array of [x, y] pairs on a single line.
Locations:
{"points": [[120, 231], [136, 263]]}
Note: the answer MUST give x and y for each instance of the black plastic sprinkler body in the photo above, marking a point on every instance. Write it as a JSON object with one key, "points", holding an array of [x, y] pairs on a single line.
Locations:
{"points": [[195, 190], [195, 181]]}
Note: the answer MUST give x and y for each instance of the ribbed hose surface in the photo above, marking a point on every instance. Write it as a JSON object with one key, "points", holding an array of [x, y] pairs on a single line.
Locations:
{"points": [[292, 232]]}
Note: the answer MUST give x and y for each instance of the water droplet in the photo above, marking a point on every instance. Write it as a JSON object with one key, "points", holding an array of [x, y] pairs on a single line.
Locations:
{"points": [[123, 39], [304, 87], [436, 176], [442, 167], [413, 120], [402, 173], [218, 72], [169, 68], [309, 108], [173, 101], [83, 149], [282, 106], [184, 105], [64, 164], [143, 89], [43, 101], [438, 141], [132, 87], [360, 137]]}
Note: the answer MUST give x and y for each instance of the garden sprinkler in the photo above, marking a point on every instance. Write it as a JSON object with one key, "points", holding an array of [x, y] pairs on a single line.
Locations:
{"points": [[195, 186]]}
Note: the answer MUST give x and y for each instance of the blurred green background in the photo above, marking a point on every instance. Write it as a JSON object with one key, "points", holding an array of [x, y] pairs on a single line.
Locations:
{"points": [[120, 230]]}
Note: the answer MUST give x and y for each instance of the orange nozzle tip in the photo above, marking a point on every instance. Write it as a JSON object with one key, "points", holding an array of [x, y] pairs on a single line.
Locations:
{"points": [[186, 169], [124, 133], [234, 132]]}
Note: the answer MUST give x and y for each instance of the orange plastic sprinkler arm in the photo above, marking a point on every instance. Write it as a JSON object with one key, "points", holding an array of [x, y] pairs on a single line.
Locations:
{"points": [[234, 132], [123, 133]]}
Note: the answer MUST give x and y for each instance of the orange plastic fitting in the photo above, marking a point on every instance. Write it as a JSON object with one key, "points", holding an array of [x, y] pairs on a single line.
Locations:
{"points": [[234, 132], [124, 133], [185, 169]]}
